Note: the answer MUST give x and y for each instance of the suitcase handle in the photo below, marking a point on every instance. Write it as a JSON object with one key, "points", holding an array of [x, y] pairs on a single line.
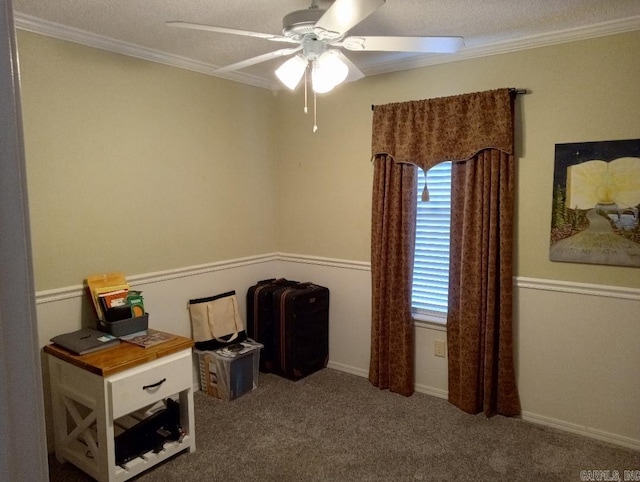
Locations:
{"points": [[283, 281], [302, 286]]}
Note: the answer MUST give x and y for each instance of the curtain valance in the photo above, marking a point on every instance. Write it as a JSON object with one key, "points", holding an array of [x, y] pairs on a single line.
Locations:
{"points": [[427, 132], [476, 129]]}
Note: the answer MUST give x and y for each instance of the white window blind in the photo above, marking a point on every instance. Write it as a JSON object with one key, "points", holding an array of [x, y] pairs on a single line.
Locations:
{"points": [[431, 264]]}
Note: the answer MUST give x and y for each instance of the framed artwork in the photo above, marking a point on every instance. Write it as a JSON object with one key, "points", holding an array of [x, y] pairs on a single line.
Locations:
{"points": [[596, 203]]}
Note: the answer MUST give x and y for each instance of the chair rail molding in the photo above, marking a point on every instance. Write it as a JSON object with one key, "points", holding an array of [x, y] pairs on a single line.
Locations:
{"points": [[578, 288]]}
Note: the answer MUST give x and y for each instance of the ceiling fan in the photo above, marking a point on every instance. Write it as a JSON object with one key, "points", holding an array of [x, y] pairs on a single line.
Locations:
{"points": [[317, 34]]}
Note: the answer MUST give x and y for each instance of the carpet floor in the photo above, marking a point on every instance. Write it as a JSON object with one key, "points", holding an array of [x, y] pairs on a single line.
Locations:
{"points": [[333, 426]]}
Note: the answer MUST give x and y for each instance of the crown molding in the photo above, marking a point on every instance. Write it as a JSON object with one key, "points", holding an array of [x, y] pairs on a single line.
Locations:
{"points": [[71, 34], [52, 29], [604, 29]]}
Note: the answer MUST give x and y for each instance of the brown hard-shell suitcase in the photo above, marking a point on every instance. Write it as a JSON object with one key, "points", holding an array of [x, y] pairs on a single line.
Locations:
{"points": [[260, 322], [302, 313]]}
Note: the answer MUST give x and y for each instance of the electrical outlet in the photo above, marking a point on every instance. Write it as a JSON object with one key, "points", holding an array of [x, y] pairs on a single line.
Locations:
{"points": [[440, 348]]}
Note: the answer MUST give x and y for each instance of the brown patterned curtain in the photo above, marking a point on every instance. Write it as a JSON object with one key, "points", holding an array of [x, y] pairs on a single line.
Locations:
{"points": [[393, 231], [476, 128], [479, 319]]}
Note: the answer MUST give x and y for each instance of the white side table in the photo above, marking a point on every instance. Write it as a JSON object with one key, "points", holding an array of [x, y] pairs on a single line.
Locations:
{"points": [[97, 395]]}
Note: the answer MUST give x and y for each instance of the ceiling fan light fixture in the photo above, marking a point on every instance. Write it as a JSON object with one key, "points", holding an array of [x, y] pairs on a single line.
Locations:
{"points": [[328, 71], [290, 73]]}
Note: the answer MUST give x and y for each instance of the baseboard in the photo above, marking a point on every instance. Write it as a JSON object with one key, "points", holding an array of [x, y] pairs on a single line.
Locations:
{"points": [[434, 392], [585, 431], [526, 416], [348, 369]]}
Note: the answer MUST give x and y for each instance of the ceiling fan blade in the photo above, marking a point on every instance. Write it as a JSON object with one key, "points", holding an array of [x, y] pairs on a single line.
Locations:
{"points": [[445, 45], [258, 59], [343, 15], [233, 31], [354, 72]]}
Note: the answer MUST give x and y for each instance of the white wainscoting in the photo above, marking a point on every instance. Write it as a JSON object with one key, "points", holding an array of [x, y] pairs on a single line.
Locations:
{"points": [[166, 295], [350, 320], [349, 285], [577, 345], [578, 358]]}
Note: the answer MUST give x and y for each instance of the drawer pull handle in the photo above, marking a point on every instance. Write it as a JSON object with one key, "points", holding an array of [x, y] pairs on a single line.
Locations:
{"points": [[154, 385]]}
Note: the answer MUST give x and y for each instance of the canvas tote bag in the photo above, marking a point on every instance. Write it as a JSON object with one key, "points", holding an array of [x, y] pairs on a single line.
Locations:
{"points": [[216, 321]]}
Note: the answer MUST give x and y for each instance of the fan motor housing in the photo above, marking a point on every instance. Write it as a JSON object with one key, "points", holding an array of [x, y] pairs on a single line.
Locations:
{"points": [[301, 22]]}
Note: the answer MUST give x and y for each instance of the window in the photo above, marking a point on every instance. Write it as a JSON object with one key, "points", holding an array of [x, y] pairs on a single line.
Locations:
{"points": [[431, 264]]}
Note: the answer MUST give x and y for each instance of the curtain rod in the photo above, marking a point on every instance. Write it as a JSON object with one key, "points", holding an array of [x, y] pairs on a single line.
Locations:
{"points": [[512, 90]]}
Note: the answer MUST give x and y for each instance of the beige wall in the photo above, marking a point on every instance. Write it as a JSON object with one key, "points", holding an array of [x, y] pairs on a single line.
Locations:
{"points": [[581, 91], [139, 167], [576, 342], [146, 168]]}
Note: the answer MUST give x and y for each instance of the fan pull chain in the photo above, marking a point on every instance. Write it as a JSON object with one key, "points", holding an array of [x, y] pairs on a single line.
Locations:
{"points": [[315, 103], [305, 91], [315, 113]]}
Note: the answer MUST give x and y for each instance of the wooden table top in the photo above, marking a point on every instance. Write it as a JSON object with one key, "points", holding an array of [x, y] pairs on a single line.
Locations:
{"points": [[120, 357]]}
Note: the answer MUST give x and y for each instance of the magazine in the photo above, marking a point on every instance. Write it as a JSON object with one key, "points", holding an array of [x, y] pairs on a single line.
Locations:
{"points": [[147, 338]]}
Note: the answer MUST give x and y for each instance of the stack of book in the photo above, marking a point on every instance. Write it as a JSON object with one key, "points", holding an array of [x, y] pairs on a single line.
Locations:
{"points": [[113, 299], [121, 316]]}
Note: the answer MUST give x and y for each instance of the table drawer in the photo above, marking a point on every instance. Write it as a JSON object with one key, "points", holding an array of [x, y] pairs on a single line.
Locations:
{"points": [[137, 388]]}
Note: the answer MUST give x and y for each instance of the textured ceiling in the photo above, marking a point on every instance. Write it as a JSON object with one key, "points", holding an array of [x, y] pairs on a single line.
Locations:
{"points": [[137, 27]]}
